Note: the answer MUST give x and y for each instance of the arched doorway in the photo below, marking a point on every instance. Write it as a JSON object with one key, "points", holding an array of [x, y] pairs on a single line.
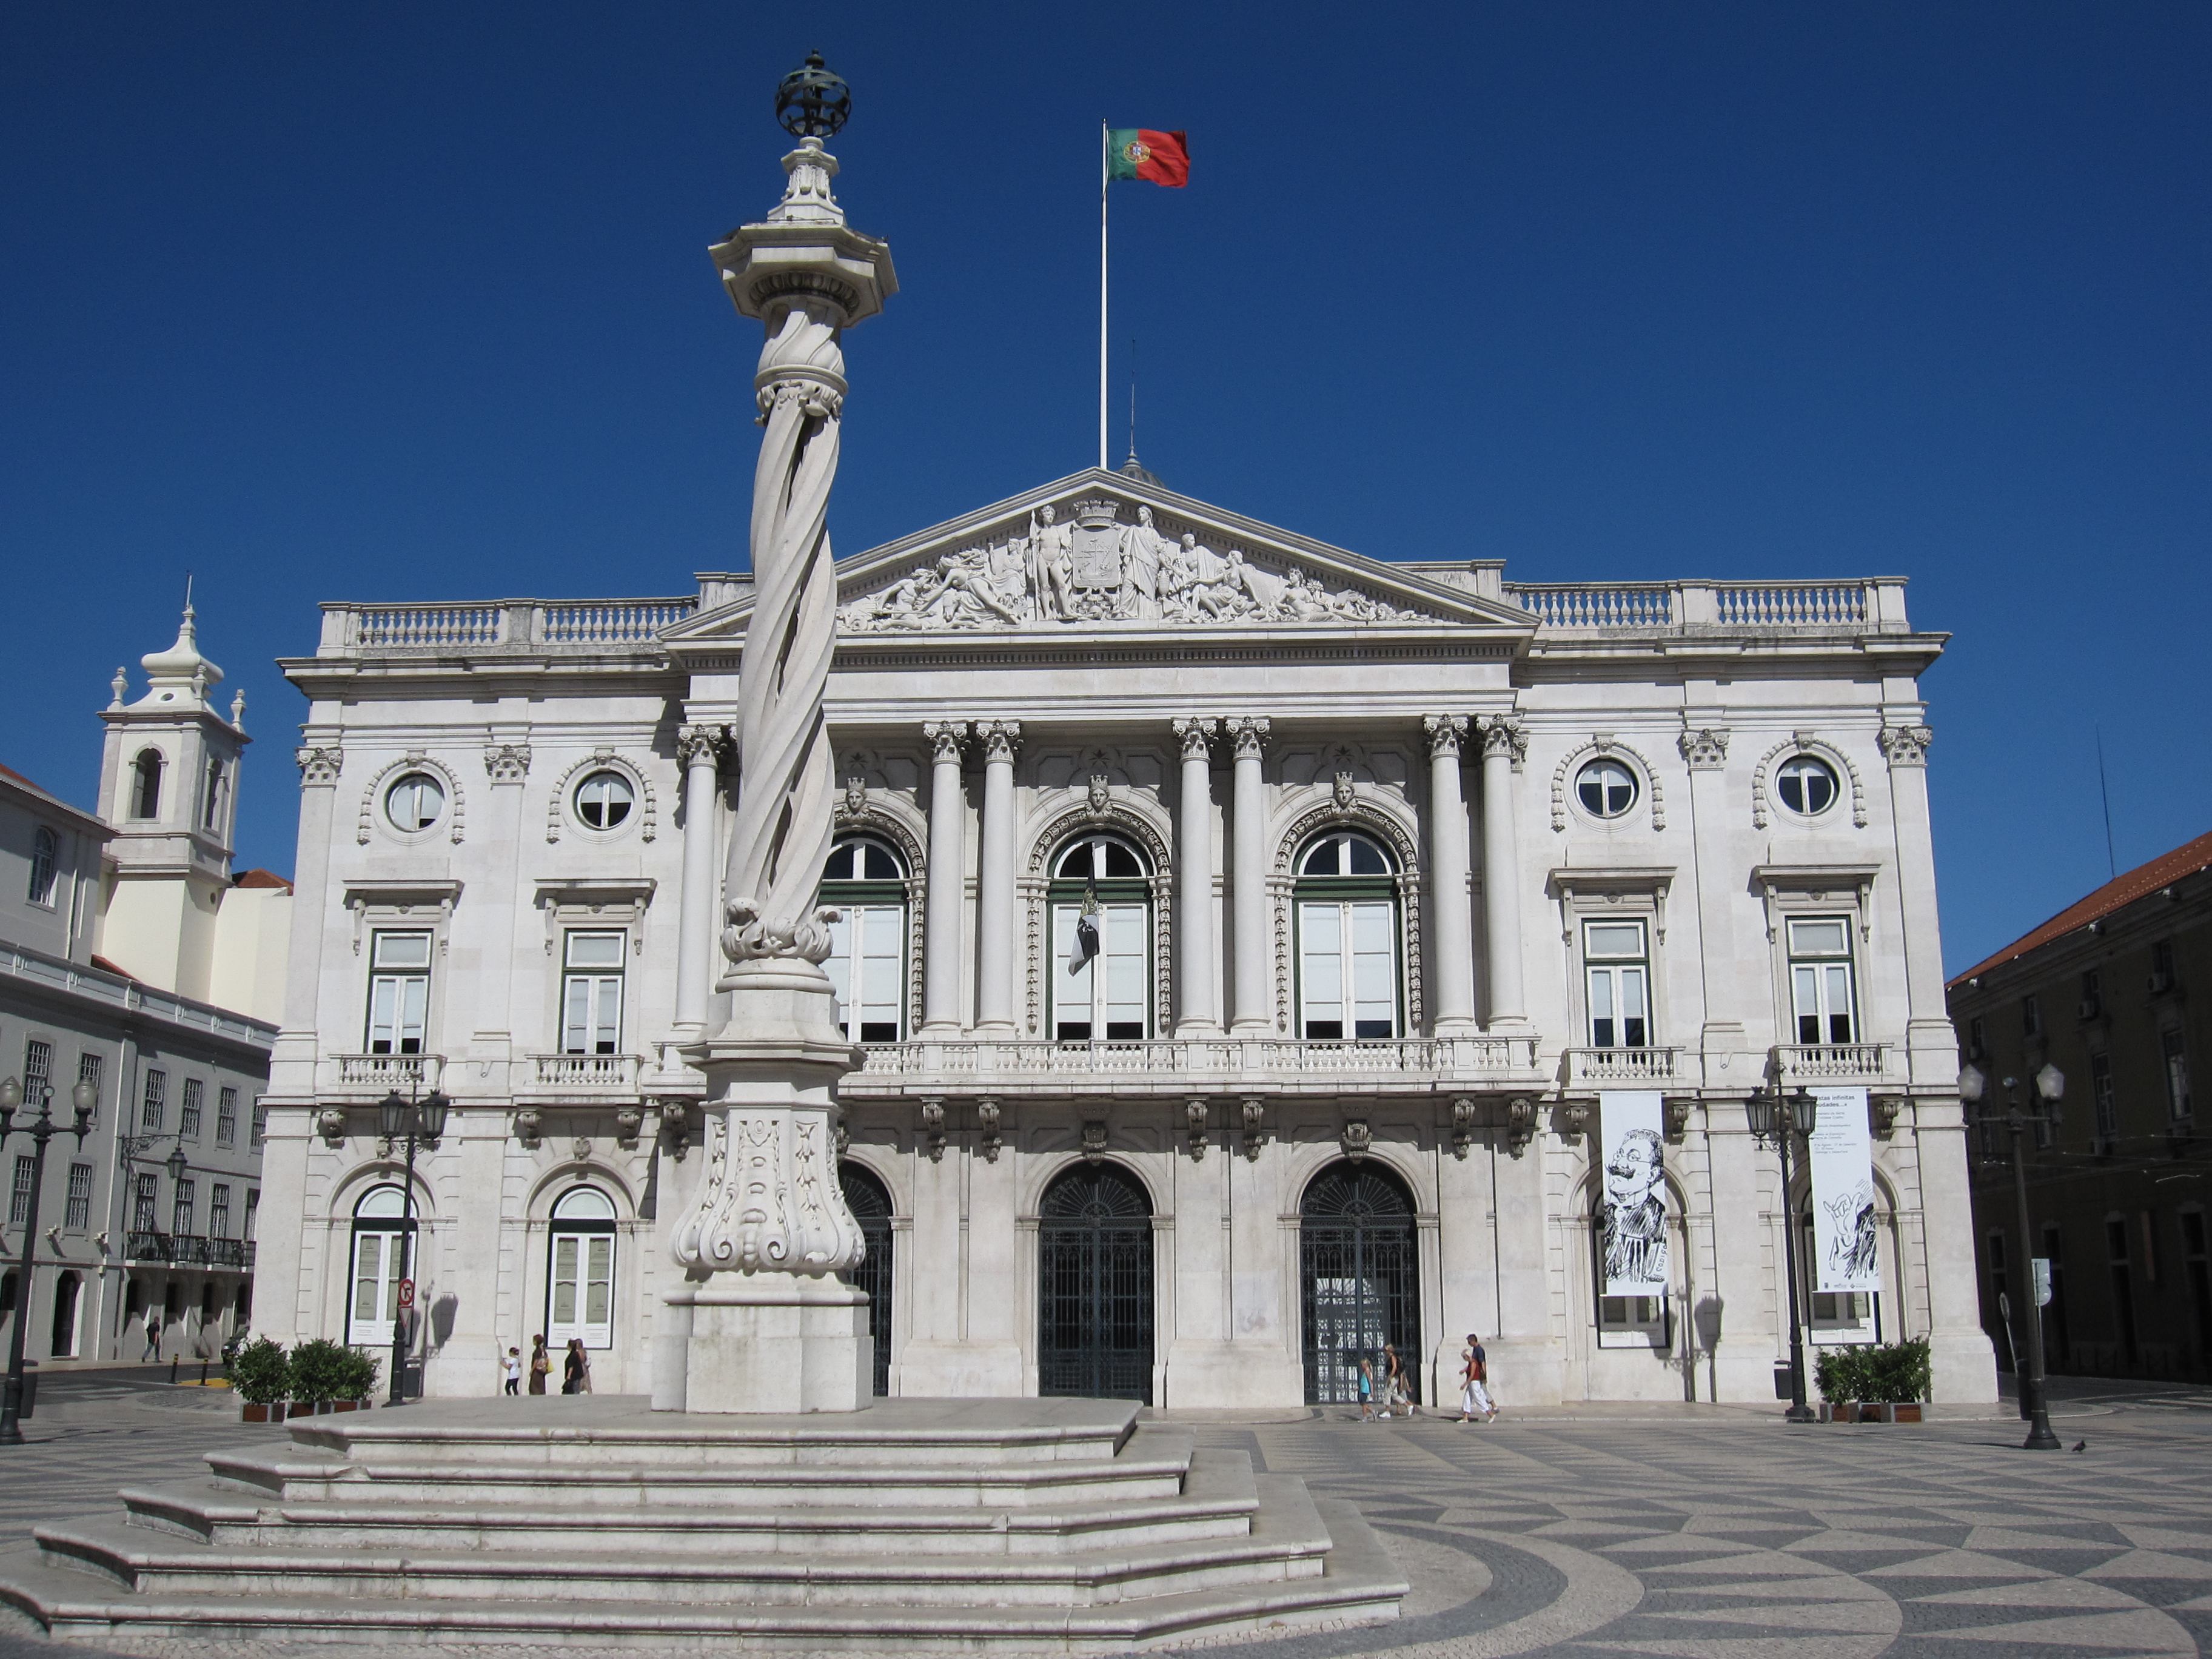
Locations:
{"points": [[64, 1344], [1095, 1286], [870, 1205], [1359, 1278]]}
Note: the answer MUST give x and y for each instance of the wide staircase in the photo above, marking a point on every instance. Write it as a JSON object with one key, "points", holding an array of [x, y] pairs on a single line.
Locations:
{"points": [[943, 1526]]}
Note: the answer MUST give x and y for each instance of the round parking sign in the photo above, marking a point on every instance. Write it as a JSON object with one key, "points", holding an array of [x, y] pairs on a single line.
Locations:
{"points": [[406, 1293]]}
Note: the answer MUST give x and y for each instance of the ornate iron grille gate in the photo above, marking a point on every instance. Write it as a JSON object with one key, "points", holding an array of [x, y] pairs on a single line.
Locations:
{"points": [[1360, 1280], [1095, 1286], [872, 1207]]}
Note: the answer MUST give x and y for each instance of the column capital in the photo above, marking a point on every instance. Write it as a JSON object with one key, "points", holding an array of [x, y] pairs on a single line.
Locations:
{"points": [[699, 745], [320, 765], [1905, 745], [1195, 734], [507, 763], [1705, 749], [1505, 737], [999, 740], [947, 739], [1444, 733], [1250, 734]]}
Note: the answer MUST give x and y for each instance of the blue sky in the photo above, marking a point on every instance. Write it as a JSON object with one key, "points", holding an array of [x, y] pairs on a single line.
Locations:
{"points": [[413, 302]]}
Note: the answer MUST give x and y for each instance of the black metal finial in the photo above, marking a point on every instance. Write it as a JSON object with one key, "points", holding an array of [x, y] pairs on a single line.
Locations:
{"points": [[812, 102]]}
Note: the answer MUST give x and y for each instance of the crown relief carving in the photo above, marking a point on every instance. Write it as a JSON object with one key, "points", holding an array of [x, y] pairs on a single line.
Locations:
{"points": [[1091, 567]]}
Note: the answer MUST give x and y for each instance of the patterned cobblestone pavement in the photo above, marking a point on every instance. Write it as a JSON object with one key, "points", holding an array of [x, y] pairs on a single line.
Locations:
{"points": [[1693, 1531]]}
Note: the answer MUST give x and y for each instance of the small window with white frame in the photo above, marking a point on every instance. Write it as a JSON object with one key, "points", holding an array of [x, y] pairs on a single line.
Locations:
{"points": [[603, 800], [592, 993], [46, 859], [1821, 994], [415, 802], [864, 881], [1348, 940], [1606, 788], [399, 992], [579, 1280], [1806, 786], [1617, 975]]}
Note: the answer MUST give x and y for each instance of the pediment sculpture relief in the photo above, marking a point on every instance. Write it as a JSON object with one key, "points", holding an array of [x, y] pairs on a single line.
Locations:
{"points": [[1091, 567]]}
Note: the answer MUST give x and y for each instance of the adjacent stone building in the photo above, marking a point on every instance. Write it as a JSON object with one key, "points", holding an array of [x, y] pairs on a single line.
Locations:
{"points": [[132, 959], [2119, 1184], [1242, 933]]}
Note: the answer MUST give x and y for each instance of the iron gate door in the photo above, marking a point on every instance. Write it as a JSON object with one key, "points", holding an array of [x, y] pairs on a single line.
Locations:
{"points": [[872, 1207], [1095, 1287], [1360, 1280]]}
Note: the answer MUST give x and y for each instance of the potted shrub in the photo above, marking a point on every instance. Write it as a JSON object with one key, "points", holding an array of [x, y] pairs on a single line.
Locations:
{"points": [[1897, 1375], [1840, 1373], [356, 1381], [321, 1371], [262, 1375]]}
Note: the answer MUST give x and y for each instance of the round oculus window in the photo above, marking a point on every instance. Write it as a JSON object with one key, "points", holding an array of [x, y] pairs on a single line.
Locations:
{"points": [[603, 800], [415, 803], [1606, 788], [1806, 786]]}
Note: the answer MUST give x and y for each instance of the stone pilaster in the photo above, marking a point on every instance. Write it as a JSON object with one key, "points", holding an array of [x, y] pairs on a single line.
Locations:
{"points": [[995, 907], [941, 939], [1452, 1008], [1254, 986], [1194, 965], [1505, 745]]}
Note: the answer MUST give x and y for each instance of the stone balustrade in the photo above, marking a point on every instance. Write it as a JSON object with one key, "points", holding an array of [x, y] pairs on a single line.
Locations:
{"points": [[497, 625], [1831, 1062], [1615, 1068], [1857, 606]]}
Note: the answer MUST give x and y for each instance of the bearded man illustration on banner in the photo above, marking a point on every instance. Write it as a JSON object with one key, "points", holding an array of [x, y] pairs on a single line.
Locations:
{"points": [[1631, 1216]]}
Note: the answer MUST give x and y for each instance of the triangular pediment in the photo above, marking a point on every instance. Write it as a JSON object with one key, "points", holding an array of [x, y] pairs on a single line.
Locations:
{"points": [[1104, 551]]}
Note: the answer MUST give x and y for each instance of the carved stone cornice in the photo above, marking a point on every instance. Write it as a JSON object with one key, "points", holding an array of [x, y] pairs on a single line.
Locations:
{"points": [[1705, 749], [507, 763], [699, 745], [1249, 733], [319, 766], [947, 738], [1445, 732], [1905, 745], [1503, 737], [999, 739], [1195, 734]]}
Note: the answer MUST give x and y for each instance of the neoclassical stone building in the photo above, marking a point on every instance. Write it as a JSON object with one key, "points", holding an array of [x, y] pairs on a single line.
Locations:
{"points": [[1240, 933]]}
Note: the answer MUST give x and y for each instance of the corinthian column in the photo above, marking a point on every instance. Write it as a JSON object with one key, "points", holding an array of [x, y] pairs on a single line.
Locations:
{"points": [[1194, 890], [948, 859], [1504, 744], [699, 747], [1254, 1005], [760, 1322], [994, 891], [1455, 923]]}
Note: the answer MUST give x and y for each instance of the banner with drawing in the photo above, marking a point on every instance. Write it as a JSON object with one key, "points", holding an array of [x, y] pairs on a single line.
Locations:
{"points": [[1632, 1205], [1842, 1169]]}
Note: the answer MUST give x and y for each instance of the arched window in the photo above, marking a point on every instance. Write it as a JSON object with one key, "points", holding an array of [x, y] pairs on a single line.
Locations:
{"points": [[865, 882], [63, 1342], [579, 1276], [380, 1259], [146, 785], [1095, 1286], [1348, 910], [1360, 1272], [1101, 961], [212, 814], [45, 855]]}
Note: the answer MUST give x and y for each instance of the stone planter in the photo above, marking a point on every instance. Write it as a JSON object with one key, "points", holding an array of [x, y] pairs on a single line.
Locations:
{"points": [[251, 1414], [1907, 1412], [1841, 1411], [345, 1405], [1874, 1411]]}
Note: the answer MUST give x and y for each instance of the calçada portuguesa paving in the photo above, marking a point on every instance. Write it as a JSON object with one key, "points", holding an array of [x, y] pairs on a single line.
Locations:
{"points": [[1591, 1530]]}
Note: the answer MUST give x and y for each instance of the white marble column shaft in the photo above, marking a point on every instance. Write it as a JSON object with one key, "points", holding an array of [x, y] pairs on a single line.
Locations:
{"points": [[1194, 965], [1454, 1007], [994, 893], [1503, 746], [699, 748], [1254, 1005], [942, 932]]}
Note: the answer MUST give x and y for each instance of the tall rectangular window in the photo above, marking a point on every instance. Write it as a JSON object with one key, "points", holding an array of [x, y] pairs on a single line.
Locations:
{"points": [[1105, 997], [37, 1069], [18, 1195], [2104, 1102], [1618, 975], [2177, 1074], [2197, 1262], [188, 1120], [591, 993], [90, 1069], [153, 1109], [260, 1121], [46, 850], [2124, 1293], [142, 1217], [77, 1215], [219, 1210], [225, 1117], [1977, 1038], [867, 965], [1348, 978], [180, 1210], [252, 1211], [1820, 991], [2092, 994], [399, 992], [2161, 966], [2031, 1016]]}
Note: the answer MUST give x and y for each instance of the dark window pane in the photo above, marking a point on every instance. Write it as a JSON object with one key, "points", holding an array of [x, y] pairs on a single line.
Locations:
{"points": [[1125, 1031], [1074, 1030], [1366, 1028], [1121, 861], [883, 1030], [1601, 1034], [1808, 1028], [1367, 859], [1326, 1030], [1636, 1038]]}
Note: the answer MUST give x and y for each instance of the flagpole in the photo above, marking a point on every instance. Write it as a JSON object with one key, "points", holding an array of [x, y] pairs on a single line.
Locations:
{"points": [[1103, 175]]}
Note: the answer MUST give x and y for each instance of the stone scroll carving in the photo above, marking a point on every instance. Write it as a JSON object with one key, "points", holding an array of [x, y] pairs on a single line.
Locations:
{"points": [[1091, 567]]}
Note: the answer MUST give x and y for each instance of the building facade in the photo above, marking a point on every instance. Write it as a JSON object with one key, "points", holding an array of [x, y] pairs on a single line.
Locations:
{"points": [[2117, 1184], [132, 959], [1244, 938]]}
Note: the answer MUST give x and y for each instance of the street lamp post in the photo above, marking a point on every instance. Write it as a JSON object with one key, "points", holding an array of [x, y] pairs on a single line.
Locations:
{"points": [[1772, 1113], [413, 1120], [2050, 1085], [85, 1098]]}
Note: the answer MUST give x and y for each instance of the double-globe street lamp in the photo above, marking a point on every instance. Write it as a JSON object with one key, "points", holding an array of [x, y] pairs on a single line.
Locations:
{"points": [[2050, 1085], [415, 1120], [86, 1098], [1772, 1113]]}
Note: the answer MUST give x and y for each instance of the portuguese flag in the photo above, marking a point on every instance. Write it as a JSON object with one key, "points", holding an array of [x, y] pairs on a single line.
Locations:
{"points": [[1162, 158]]}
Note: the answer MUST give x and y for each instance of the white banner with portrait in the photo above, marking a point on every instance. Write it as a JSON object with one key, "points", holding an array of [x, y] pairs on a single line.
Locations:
{"points": [[1841, 1170], [1632, 1205]]}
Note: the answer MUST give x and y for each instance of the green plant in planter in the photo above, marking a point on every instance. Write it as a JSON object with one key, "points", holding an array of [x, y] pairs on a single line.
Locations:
{"points": [[359, 1375], [1897, 1373], [321, 1370], [262, 1373]]}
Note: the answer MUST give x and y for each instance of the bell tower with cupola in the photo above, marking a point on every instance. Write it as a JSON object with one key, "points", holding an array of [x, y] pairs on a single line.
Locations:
{"points": [[168, 785]]}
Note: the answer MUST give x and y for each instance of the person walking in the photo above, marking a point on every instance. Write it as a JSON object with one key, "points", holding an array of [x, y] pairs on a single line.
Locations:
{"points": [[1474, 1382], [1366, 1391], [1397, 1388], [575, 1367], [512, 1367], [152, 1336], [539, 1364]]}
